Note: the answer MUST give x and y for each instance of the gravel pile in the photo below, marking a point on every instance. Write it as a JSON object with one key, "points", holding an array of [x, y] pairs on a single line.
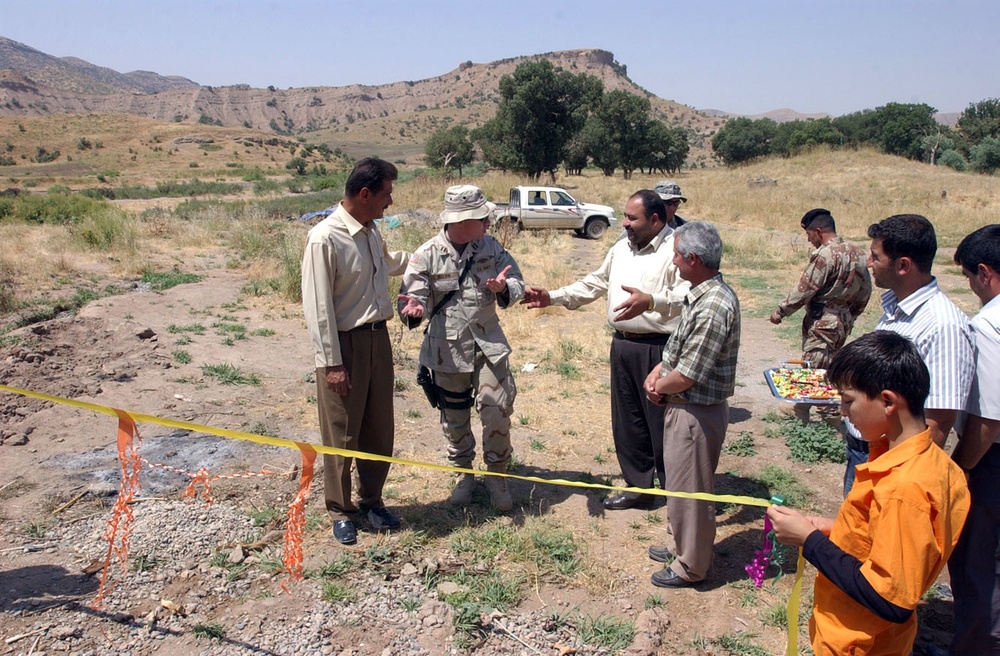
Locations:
{"points": [[179, 590]]}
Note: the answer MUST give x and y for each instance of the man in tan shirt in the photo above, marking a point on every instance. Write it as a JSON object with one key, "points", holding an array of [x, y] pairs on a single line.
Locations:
{"points": [[345, 299]]}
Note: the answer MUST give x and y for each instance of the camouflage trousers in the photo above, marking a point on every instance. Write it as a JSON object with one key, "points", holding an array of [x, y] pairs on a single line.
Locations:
{"points": [[822, 337], [494, 391]]}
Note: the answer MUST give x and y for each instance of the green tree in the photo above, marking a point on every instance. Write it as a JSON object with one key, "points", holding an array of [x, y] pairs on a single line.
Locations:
{"points": [[903, 127], [668, 148], [600, 146], [298, 165], [449, 149], [985, 156], [742, 140], [625, 117], [575, 156], [980, 120], [792, 137], [540, 110]]}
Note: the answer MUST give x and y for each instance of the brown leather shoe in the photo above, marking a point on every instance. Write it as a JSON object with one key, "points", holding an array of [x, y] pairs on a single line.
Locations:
{"points": [[624, 501]]}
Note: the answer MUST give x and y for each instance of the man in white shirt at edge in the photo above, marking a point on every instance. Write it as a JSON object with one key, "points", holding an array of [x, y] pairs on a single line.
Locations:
{"points": [[974, 564]]}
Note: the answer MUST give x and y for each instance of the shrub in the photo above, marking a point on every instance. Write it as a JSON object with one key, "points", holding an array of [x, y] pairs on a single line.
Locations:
{"points": [[953, 159], [56, 208], [8, 295], [43, 156], [813, 442], [108, 229]]}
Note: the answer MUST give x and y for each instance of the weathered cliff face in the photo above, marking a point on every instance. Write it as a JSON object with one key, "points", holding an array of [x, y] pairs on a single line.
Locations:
{"points": [[293, 110]]}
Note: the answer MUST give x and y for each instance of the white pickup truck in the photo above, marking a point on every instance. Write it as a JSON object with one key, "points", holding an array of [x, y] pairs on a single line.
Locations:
{"points": [[550, 207]]}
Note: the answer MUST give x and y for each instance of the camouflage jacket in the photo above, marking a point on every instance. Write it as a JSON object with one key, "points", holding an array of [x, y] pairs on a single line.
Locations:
{"points": [[836, 281], [468, 320]]}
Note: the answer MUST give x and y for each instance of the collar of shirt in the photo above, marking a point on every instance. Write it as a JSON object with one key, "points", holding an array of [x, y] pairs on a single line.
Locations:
{"points": [[895, 308], [352, 224], [699, 291], [884, 459], [446, 244], [654, 243]]}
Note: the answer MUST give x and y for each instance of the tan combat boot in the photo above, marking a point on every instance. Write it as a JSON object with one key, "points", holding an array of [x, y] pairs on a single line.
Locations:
{"points": [[464, 485], [497, 486]]}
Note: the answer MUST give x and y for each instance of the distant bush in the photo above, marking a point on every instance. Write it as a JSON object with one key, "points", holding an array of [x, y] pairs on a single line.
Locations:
{"points": [[985, 157], [953, 159], [109, 228], [55, 208], [43, 156]]}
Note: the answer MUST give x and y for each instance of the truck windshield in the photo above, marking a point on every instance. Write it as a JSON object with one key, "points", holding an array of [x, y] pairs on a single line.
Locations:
{"points": [[562, 198]]}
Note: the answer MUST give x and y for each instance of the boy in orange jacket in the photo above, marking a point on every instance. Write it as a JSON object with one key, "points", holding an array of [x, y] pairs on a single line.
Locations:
{"points": [[899, 523]]}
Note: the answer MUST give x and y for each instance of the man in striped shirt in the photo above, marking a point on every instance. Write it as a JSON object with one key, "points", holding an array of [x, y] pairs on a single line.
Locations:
{"points": [[902, 252]]}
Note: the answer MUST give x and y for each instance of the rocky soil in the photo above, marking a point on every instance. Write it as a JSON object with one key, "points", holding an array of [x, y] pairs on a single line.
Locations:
{"points": [[205, 579]]}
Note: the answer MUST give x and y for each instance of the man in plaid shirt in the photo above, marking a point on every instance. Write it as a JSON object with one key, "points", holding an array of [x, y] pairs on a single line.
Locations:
{"points": [[693, 382]]}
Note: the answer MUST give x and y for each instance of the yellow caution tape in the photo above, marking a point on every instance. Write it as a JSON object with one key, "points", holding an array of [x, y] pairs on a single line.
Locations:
{"points": [[361, 455]]}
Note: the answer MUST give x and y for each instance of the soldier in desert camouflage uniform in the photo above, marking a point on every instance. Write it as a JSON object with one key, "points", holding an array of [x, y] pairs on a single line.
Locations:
{"points": [[834, 289], [456, 280]]}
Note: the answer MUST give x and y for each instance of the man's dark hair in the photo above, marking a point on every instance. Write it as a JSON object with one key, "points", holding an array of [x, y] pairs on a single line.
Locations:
{"points": [[819, 218], [907, 235], [651, 204], [980, 247], [882, 360], [370, 173]]}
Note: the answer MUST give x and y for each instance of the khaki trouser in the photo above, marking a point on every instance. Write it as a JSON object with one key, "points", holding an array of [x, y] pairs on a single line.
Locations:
{"points": [[692, 442], [494, 392], [361, 421]]}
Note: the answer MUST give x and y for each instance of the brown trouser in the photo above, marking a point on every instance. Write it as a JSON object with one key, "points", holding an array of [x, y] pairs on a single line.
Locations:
{"points": [[692, 442], [360, 421]]}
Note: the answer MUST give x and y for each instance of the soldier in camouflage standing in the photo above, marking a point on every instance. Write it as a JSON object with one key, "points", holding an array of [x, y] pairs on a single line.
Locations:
{"points": [[456, 280], [834, 289]]}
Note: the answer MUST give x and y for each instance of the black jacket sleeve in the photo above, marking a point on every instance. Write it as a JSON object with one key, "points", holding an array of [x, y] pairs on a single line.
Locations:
{"points": [[844, 570]]}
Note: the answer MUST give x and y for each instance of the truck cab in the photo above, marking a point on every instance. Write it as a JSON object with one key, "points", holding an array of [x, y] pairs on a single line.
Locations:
{"points": [[533, 208]]}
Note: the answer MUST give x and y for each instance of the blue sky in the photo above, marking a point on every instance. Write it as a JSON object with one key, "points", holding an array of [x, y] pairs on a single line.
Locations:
{"points": [[745, 56]]}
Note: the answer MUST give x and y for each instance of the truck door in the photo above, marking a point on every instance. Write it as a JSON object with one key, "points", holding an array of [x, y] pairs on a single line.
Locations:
{"points": [[565, 210]]}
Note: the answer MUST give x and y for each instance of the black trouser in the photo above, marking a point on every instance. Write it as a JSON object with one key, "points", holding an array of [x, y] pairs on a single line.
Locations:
{"points": [[974, 566], [636, 424]]}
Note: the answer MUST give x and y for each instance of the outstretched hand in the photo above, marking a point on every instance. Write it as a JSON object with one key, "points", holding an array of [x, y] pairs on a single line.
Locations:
{"points": [[413, 308], [633, 306], [498, 284], [536, 297]]}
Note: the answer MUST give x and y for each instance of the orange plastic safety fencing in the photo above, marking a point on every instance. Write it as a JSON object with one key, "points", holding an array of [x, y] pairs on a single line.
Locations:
{"points": [[120, 524], [295, 527], [119, 527]]}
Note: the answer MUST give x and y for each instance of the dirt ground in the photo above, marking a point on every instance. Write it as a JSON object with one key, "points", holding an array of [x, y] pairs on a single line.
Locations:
{"points": [[120, 351]]}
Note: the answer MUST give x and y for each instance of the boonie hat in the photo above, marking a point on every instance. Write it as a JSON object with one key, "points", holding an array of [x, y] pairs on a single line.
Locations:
{"points": [[668, 190], [464, 202]]}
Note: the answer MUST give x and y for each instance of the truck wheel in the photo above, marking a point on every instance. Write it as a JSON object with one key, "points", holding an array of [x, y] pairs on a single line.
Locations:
{"points": [[595, 228]]}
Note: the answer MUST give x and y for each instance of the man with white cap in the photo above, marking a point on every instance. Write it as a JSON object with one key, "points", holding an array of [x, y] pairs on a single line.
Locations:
{"points": [[456, 280], [670, 194]]}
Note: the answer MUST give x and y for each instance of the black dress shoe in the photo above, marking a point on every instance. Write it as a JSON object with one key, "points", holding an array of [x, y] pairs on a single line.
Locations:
{"points": [[624, 501], [344, 531], [660, 554], [667, 578]]}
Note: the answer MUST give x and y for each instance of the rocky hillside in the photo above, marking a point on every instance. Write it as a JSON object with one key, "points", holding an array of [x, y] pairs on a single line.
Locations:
{"points": [[36, 84], [78, 76]]}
